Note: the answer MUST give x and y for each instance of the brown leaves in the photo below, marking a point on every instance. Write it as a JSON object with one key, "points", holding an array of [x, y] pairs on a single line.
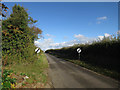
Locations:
{"points": [[5, 32], [4, 8], [15, 30], [36, 30]]}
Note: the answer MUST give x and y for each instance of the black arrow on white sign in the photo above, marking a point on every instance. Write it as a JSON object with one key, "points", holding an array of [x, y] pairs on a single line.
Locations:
{"points": [[37, 50], [79, 51]]}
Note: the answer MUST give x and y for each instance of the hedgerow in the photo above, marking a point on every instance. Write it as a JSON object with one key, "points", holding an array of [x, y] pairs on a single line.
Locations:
{"points": [[104, 53], [18, 37]]}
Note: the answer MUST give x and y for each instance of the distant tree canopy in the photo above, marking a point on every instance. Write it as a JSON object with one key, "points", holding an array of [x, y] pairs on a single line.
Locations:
{"points": [[18, 37]]}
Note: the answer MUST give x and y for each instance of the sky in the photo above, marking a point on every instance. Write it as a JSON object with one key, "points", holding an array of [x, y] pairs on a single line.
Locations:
{"points": [[60, 0], [68, 23]]}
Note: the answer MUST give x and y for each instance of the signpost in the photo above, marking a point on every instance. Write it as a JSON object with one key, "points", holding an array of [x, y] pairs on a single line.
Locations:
{"points": [[37, 50], [79, 51]]}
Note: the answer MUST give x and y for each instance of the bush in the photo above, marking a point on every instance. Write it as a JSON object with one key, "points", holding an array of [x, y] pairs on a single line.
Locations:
{"points": [[18, 37], [103, 54]]}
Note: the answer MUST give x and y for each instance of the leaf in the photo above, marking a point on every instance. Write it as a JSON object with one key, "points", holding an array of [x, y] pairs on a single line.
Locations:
{"points": [[7, 84]]}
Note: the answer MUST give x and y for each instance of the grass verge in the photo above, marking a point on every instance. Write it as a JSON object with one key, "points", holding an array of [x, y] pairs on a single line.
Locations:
{"points": [[36, 71]]}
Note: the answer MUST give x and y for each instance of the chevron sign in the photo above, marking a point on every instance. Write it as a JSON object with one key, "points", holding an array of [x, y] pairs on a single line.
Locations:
{"points": [[78, 50], [37, 50]]}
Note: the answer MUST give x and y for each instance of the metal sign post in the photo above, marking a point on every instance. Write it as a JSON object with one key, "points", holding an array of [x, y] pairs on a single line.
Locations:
{"points": [[79, 56], [79, 51]]}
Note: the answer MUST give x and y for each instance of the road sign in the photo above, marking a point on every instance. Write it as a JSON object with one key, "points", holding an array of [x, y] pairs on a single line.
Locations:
{"points": [[79, 50], [37, 50]]}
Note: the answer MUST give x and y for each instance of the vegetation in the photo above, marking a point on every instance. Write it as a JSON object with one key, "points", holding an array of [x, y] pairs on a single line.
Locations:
{"points": [[36, 73], [3, 9], [18, 37], [18, 55], [102, 54], [8, 80]]}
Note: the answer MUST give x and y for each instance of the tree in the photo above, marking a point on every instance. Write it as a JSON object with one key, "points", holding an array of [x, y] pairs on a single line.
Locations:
{"points": [[18, 37], [36, 32], [3, 9]]}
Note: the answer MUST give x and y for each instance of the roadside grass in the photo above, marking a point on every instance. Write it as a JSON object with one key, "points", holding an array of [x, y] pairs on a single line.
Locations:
{"points": [[110, 73], [100, 70], [36, 71]]}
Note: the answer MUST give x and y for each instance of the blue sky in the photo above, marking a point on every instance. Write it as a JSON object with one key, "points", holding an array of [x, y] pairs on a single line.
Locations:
{"points": [[68, 23], [60, 0]]}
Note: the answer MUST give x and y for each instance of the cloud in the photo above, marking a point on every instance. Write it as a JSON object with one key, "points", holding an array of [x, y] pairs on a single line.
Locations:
{"points": [[78, 39], [83, 39], [50, 44], [102, 18], [98, 22], [100, 37], [44, 44], [79, 36], [105, 35], [99, 19], [49, 35]]}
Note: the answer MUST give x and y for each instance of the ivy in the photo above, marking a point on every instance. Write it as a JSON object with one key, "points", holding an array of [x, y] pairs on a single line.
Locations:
{"points": [[18, 37]]}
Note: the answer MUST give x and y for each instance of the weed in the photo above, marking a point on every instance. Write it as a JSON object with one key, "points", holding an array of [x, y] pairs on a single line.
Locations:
{"points": [[7, 80]]}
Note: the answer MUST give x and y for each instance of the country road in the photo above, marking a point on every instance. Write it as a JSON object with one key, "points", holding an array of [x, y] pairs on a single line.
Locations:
{"points": [[68, 75]]}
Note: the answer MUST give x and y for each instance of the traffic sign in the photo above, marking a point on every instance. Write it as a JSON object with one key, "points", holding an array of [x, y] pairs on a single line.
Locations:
{"points": [[79, 50], [37, 50]]}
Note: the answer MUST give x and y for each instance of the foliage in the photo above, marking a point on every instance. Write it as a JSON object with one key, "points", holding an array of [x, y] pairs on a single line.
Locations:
{"points": [[7, 80], [36, 31], [18, 37], [4, 9], [18, 47], [36, 71], [104, 53], [22, 74]]}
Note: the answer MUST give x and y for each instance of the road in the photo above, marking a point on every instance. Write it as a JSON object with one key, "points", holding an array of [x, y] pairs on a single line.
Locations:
{"points": [[68, 75]]}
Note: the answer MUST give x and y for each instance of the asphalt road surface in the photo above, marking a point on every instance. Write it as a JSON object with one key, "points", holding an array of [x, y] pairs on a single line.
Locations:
{"points": [[68, 75]]}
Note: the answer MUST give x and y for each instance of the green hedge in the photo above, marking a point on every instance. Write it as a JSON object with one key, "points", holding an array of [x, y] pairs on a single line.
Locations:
{"points": [[102, 54], [18, 37]]}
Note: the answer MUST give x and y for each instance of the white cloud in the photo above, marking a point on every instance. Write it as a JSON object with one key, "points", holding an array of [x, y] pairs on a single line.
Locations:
{"points": [[102, 18], [50, 44], [106, 35], [79, 36], [100, 37], [49, 35], [83, 39]]}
